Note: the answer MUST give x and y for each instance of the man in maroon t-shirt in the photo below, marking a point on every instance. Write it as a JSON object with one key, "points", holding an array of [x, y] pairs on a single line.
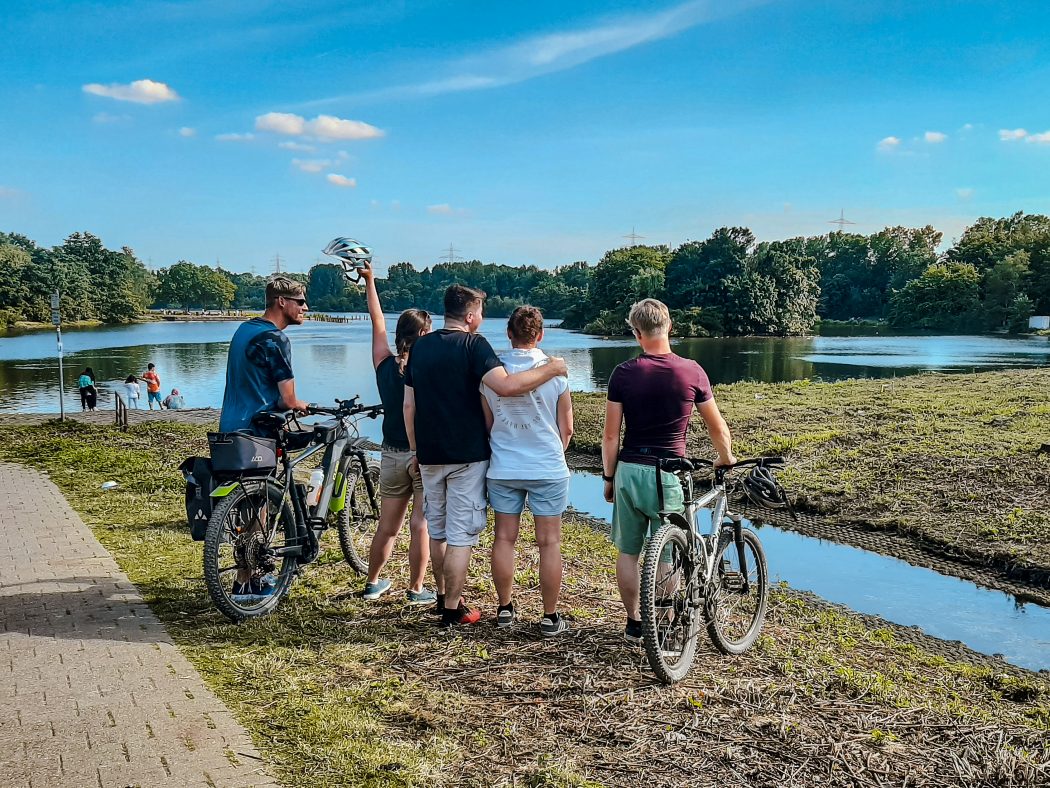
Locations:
{"points": [[654, 394]]}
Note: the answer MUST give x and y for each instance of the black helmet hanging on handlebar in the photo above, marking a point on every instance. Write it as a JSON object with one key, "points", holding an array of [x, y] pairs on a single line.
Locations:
{"points": [[763, 489], [353, 255]]}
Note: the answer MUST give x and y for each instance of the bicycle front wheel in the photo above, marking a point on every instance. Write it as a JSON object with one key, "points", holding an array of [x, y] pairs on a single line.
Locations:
{"points": [[243, 551], [358, 519], [738, 595], [669, 627]]}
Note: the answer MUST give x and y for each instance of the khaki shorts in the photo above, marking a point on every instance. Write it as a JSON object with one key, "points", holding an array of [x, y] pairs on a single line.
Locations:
{"points": [[396, 477], [454, 502]]}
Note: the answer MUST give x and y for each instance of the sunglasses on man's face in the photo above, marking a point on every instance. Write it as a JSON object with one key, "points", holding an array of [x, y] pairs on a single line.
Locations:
{"points": [[299, 301]]}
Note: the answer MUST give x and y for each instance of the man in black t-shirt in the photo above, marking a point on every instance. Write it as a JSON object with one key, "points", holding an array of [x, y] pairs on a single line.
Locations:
{"points": [[446, 429]]}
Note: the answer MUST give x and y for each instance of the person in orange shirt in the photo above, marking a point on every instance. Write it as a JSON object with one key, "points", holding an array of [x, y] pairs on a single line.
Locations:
{"points": [[152, 386]]}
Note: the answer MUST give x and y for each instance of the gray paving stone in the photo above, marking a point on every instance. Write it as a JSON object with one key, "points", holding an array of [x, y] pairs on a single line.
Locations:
{"points": [[91, 675]]}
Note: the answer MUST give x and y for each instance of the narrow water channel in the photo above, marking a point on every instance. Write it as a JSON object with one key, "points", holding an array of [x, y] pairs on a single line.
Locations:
{"points": [[949, 608]]}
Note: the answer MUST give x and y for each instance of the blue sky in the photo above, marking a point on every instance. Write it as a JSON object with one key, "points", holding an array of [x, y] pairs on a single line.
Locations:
{"points": [[536, 132]]}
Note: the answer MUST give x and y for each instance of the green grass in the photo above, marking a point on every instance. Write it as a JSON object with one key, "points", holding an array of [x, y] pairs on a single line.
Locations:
{"points": [[952, 459], [339, 692]]}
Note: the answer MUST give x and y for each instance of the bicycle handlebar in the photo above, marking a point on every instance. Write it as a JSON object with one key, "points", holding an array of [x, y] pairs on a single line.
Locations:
{"points": [[674, 464], [346, 407]]}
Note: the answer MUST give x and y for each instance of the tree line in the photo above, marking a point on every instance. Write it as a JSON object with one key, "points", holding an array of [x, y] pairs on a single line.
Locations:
{"points": [[994, 277]]}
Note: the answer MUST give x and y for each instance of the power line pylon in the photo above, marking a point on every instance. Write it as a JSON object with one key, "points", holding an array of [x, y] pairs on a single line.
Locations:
{"points": [[842, 221]]}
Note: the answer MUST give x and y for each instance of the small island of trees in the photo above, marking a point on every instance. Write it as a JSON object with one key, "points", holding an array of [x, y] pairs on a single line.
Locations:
{"points": [[993, 278]]}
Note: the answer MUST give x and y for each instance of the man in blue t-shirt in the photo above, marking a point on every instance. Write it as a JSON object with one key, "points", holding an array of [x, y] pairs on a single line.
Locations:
{"points": [[259, 377], [259, 366]]}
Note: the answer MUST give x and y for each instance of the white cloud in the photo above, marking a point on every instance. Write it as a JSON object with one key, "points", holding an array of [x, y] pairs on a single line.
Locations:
{"points": [[374, 203], [234, 137], [329, 127], [1009, 135], [545, 54], [323, 127], [311, 165], [889, 143], [296, 146], [967, 127], [341, 180], [141, 91], [964, 193], [280, 123], [1043, 138], [443, 209], [186, 131], [934, 137]]}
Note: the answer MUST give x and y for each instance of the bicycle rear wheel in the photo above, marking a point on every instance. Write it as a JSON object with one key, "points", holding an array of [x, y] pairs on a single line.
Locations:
{"points": [[669, 628], [357, 521], [736, 609], [241, 543]]}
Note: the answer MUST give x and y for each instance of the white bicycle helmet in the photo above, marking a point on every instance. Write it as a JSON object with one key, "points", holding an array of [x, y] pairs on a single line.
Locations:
{"points": [[352, 254]]}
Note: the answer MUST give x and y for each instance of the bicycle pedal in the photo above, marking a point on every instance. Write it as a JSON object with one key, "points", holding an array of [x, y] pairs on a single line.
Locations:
{"points": [[733, 581]]}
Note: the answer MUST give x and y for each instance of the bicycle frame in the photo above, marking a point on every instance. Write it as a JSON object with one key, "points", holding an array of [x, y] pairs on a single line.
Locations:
{"points": [[706, 545]]}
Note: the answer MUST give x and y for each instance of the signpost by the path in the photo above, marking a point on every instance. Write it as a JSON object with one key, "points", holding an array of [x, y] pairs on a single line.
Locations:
{"points": [[56, 318]]}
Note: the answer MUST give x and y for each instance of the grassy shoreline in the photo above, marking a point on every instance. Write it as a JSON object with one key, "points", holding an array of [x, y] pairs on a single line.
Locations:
{"points": [[338, 692]]}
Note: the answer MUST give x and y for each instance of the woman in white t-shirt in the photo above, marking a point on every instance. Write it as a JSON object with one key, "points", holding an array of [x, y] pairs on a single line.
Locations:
{"points": [[528, 435], [132, 391]]}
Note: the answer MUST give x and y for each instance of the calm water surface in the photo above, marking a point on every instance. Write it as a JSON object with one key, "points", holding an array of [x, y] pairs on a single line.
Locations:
{"points": [[333, 360]]}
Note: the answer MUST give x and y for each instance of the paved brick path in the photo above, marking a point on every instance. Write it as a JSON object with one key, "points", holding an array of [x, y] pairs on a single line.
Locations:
{"points": [[93, 693]]}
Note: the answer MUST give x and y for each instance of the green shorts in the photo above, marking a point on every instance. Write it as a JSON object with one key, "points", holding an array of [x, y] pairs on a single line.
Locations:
{"points": [[636, 513]]}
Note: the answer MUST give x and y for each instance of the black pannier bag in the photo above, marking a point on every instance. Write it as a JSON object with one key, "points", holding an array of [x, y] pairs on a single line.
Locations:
{"points": [[241, 454], [199, 484]]}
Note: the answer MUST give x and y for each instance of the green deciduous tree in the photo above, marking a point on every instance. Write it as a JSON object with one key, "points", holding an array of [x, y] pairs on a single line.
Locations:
{"points": [[189, 286], [945, 297]]}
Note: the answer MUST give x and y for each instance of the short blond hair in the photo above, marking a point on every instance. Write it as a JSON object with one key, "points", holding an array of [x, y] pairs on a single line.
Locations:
{"points": [[649, 317], [283, 287]]}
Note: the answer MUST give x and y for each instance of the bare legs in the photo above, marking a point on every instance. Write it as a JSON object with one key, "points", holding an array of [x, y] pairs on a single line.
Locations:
{"points": [[548, 538], [627, 581], [391, 518], [457, 560]]}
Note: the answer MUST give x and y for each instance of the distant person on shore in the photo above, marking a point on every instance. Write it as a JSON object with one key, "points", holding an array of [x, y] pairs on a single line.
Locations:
{"points": [[528, 435], [132, 391], [152, 385], [399, 479], [174, 401], [88, 392], [653, 395]]}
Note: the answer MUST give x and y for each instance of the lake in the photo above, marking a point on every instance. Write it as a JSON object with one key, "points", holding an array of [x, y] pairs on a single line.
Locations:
{"points": [[333, 359]]}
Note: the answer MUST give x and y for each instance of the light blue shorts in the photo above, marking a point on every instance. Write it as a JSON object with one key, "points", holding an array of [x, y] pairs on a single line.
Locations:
{"points": [[547, 497]]}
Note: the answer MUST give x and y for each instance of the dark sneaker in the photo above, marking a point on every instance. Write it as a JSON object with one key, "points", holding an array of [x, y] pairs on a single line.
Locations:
{"points": [[505, 616], [375, 590], [460, 617], [553, 626], [422, 597], [632, 633]]}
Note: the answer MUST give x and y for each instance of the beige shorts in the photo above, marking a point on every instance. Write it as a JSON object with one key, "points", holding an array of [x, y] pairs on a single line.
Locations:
{"points": [[397, 479], [454, 502]]}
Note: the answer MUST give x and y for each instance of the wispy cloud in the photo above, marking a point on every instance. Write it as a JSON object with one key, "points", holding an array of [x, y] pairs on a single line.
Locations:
{"points": [[341, 180], [326, 128], [965, 194], [311, 165], [935, 137], [546, 54], [1042, 138], [889, 143], [186, 131], [104, 118], [1011, 135], [444, 209], [296, 146], [235, 137], [141, 91]]}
